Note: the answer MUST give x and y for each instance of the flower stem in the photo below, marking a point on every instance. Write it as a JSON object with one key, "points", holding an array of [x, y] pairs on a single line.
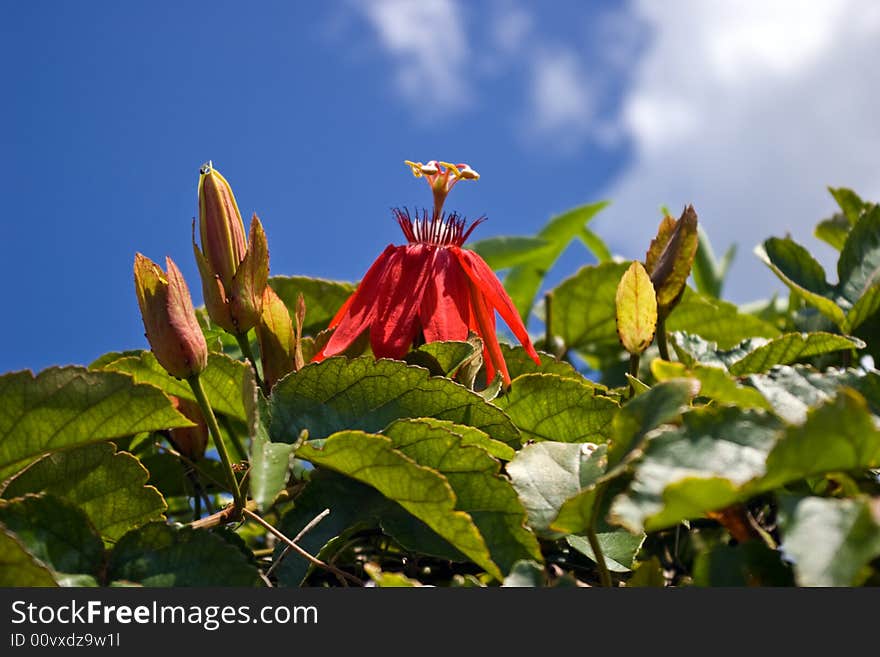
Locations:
{"points": [[661, 340], [214, 429], [604, 573], [245, 345]]}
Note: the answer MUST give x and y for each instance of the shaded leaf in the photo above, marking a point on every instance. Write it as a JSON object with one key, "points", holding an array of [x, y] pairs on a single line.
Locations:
{"points": [[833, 231], [109, 487], [636, 305], [389, 580], [425, 493], [270, 461], [64, 407], [161, 555], [708, 272], [791, 347], [619, 548], [550, 407], [449, 355], [793, 390], [747, 564], [18, 567], [55, 532], [859, 262], [362, 393], [829, 540], [526, 574]]}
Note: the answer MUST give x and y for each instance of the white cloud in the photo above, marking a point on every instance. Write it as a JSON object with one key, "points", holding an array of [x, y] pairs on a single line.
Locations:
{"points": [[427, 40], [748, 110], [561, 102]]}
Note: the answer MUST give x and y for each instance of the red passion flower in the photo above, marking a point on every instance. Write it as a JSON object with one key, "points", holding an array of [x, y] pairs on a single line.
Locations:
{"points": [[430, 287]]}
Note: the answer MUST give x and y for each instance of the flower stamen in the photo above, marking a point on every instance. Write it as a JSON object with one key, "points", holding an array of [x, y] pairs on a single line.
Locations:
{"points": [[441, 177]]}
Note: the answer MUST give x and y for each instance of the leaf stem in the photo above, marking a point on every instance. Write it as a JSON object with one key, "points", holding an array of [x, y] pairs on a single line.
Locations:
{"points": [[661, 339], [604, 574], [245, 345], [214, 429]]}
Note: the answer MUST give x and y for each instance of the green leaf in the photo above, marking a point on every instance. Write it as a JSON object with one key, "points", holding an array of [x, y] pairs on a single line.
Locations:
{"points": [[362, 393], [18, 567], [519, 363], [424, 492], [448, 355], [547, 474], [550, 407], [833, 231], [708, 272], [849, 203], [389, 580], [109, 487], [526, 574], [865, 307], [716, 320], [636, 305], [479, 489], [270, 461], [792, 347], [323, 298], [747, 564], [692, 350], [660, 404], [161, 555], [830, 541], [64, 407], [859, 262], [55, 532], [505, 251], [524, 281], [584, 307], [227, 382], [695, 468], [803, 275], [840, 435], [472, 436], [715, 383], [595, 244], [793, 390], [619, 548]]}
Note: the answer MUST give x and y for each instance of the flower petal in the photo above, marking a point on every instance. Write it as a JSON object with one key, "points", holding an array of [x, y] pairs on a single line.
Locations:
{"points": [[400, 297], [484, 320], [444, 311], [358, 312], [487, 283]]}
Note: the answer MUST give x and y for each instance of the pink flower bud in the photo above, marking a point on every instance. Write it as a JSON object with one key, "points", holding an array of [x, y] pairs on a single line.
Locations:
{"points": [[169, 318]]}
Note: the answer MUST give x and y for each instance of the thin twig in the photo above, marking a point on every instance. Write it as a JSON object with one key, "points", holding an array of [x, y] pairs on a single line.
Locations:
{"points": [[296, 539], [296, 548]]}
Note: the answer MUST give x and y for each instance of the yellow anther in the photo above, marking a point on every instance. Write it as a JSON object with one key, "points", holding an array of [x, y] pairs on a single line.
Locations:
{"points": [[419, 169]]}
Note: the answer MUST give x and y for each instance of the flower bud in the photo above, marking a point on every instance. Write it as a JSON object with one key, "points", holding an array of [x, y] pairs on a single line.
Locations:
{"points": [[169, 319], [190, 441], [234, 270]]}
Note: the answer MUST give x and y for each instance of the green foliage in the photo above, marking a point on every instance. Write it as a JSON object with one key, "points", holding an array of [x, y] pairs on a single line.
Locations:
{"points": [[746, 455]]}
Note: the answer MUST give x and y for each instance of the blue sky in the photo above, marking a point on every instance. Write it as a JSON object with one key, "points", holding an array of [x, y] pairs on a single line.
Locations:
{"points": [[309, 110]]}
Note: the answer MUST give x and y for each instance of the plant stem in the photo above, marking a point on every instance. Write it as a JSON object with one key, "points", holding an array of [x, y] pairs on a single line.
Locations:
{"points": [[214, 429], [661, 340], [296, 548], [604, 574], [245, 345], [634, 360]]}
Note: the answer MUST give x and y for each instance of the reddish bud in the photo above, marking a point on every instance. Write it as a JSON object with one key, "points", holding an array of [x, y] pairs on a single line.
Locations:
{"points": [[190, 441], [169, 318]]}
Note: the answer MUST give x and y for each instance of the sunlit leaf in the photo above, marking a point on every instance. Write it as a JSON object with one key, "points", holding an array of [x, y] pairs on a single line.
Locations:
{"points": [[322, 298]]}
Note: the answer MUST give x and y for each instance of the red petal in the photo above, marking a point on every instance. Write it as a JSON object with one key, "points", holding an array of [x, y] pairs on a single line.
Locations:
{"points": [[488, 284], [400, 296], [484, 318], [359, 311], [444, 310]]}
